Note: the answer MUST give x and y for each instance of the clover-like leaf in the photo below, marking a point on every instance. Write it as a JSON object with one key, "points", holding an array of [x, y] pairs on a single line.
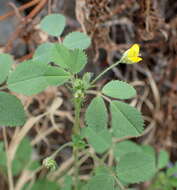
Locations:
{"points": [[125, 147], [31, 78], [102, 180], [136, 167], [119, 89], [101, 141], [53, 24], [126, 120], [96, 115], [11, 110], [77, 40]]}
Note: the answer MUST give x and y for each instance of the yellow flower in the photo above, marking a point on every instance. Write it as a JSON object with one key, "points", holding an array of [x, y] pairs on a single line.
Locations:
{"points": [[131, 55]]}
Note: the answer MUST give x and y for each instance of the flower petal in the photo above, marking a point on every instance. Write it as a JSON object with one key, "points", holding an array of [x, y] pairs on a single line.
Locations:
{"points": [[134, 51]]}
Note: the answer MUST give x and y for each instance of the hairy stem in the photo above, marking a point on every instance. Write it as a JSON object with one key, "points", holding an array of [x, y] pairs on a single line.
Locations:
{"points": [[76, 131]]}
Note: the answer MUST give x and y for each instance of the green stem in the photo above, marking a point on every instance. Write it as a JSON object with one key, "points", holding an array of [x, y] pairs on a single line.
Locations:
{"points": [[105, 71], [61, 148], [76, 131]]}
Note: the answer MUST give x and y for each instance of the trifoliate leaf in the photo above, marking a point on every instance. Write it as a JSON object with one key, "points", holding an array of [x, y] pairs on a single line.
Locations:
{"points": [[163, 159], [126, 120], [11, 110], [32, 78], [72, 60], [136, 167], [5, 65], [125, 147], [96, 115], [101, 141], [119, 89], [77, 40], [53, 24]]}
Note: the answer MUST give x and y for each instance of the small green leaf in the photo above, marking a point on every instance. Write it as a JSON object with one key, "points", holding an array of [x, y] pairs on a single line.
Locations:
{"points": [[86, 80], [163, 159], [53, 24], [119, 89], [32, 78], [44, 53], [96, 115], [101, 141], [126, 120], [78, 61], [73, 60], [11, 110], [77, 40], [67, 183], [103, 181], [172, 171], [125, 147], [5, 65], [136, 167], [62, 56], [22, 156], [45, 184]]}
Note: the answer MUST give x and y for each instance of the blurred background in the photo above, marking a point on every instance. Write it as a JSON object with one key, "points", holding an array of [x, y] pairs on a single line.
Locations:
{"points": [[113, 25]]}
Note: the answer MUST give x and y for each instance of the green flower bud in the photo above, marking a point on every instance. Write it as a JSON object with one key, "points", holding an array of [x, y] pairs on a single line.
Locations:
{"points": [[50, 163]]}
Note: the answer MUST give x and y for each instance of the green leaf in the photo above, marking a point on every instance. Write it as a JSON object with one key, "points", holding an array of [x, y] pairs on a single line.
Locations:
{"points": [[62, 56], [67, 183], [101, 141], [119, 89], [45, 184], [96, 115], [172, 171], [44, 53], [78, 61], [32, 78], [163, 159], [103, 180], [86, 79], [77, 40], [5, 65], [11, 110], [53, 24], [136, 167], [125, 147], [126, 120], [22, 156], [73, 60]]}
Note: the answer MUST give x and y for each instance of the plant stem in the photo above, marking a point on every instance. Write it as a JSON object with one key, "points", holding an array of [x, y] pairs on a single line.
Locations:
{"points": [[61, 148], [105, 71], [76, 131]]}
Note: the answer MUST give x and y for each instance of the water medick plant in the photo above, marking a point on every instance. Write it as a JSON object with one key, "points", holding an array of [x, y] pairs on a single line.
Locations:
{"points": [[99, 137]]}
